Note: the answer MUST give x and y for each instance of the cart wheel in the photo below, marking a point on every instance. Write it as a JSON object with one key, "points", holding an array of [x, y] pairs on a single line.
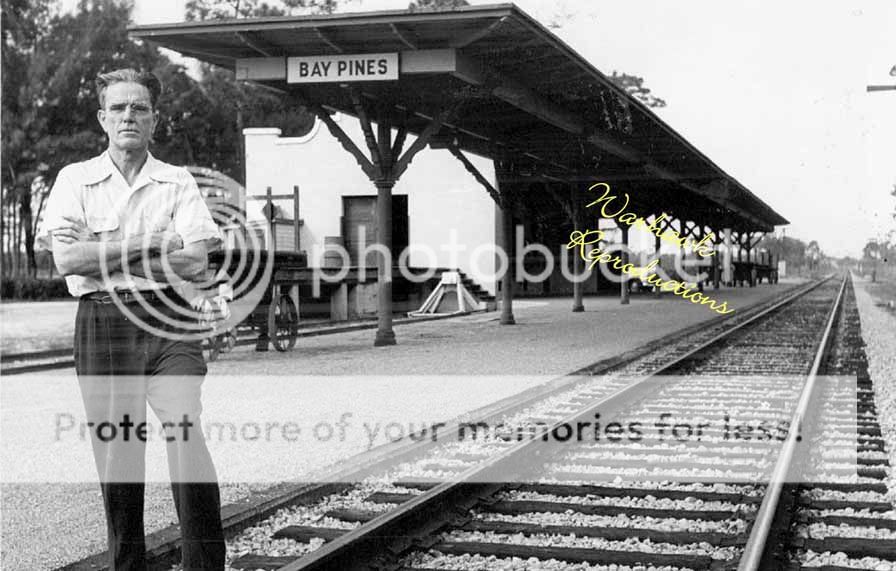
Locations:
{"points": [[283, 322], [229, 341], [211, 348]]}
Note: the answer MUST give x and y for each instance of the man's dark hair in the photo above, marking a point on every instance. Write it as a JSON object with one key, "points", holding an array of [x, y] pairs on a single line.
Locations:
{"points": [[128, 75]]}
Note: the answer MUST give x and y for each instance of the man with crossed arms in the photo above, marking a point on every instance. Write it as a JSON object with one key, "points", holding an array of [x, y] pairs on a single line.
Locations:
{"points": [[126, 228]]}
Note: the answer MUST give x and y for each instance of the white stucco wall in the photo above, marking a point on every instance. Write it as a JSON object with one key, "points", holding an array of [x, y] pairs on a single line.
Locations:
{"points": [[443, 198]]}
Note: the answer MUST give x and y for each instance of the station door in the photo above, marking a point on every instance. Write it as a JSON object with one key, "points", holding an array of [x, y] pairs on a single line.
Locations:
{"points": [[360, 212]]}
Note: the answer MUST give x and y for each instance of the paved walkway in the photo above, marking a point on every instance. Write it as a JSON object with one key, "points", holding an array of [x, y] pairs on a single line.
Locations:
{"points": [[338, 394]]}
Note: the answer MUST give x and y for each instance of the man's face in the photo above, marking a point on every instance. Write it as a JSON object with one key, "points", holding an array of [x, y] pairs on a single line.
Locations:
{"points": [[128, 117]]}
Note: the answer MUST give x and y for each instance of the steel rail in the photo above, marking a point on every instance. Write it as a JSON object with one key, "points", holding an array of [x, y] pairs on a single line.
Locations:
{"points": [[759, 533], [391, 453], [354, 549], [33, 361]]}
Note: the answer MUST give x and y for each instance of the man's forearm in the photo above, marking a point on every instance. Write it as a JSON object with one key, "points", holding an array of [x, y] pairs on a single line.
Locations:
{"points": [[94, 259], [184, 264]]}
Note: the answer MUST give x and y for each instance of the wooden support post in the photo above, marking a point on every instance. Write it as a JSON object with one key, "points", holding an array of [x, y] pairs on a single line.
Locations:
{"points": [[295, 217], [384, 333], [683, 232], [388, 161], [504, 231], [716, 262], [623, 286], [749, 248], [727, 277], [577, 261], [272, 227], [506, 245], [699, 233], [294, 293], [339, 303], [657, 246]]}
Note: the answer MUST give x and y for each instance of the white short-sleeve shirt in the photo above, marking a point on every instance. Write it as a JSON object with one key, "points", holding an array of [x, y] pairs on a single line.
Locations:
{"points": [[163, 197]]}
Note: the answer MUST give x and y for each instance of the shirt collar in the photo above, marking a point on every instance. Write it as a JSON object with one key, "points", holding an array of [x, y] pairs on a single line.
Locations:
{"points": [[102, 168]]}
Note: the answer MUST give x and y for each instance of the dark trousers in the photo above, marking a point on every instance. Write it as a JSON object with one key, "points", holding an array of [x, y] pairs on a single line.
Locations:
{"points": [[121, 367]]}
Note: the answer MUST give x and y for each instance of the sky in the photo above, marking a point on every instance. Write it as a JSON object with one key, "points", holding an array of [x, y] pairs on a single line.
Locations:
{"points": [[773, 92]]}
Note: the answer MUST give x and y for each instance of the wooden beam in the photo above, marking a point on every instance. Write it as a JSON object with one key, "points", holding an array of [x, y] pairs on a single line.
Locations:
{"points": [[489, 147], [520, 96], [366, 127], [403, 36], [471, 168], [410, 62], [667, 225], [327, 40], [717, 189], [384, 144], [421, 141], [478, 34], [369, 169], [398, 144], [266, 51], [524, 99], [259, 69], [564, 202], [759, 238]]}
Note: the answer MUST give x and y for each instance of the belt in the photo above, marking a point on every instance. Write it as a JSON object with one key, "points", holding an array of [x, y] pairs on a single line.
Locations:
{"points": [[127, 296]]}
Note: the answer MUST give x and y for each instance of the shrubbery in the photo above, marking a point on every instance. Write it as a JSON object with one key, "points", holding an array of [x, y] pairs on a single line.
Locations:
{"points": [[33, 289]]}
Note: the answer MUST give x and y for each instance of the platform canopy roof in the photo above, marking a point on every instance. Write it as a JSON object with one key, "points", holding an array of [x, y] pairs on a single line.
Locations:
{"points": [[506, 87]]}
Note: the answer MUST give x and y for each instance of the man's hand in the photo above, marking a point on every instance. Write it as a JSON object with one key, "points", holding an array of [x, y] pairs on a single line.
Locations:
{"points": [[75, 231]]}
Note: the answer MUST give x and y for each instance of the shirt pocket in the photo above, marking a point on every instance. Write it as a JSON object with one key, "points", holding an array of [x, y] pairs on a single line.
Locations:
{"points": [[107, 227], [102, 223], [158, 215]]}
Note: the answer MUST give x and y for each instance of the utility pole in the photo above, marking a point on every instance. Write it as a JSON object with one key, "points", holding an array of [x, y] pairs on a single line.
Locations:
{"points": [[871, 88], [881, 243]]}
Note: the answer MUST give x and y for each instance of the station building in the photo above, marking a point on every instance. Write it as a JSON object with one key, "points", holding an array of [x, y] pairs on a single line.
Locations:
{"points": [[530, 123]]}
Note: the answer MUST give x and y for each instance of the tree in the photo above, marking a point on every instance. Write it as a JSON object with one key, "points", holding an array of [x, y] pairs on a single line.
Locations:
{"points": [[635, 86], [871, 253], [49, 107], [893, 192], [201, 121], [814, 255], [225, 9], [563, 13], [50, 104], [435, 5], [790, 250], [209, 121]]}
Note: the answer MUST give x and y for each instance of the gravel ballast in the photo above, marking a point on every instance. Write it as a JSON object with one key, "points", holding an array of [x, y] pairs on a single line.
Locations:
{"points": [[48, 524], [879, 333]]}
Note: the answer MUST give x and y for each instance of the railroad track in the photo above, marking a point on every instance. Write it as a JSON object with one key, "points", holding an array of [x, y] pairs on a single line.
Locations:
{"points": [[36, 361], [54, 359], [852, 525], [647, 502], [444, 506], [242, 336]]}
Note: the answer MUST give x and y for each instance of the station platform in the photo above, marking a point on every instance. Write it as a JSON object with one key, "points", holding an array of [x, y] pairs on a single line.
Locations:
{"points": [[547, 339], [344, 395]]}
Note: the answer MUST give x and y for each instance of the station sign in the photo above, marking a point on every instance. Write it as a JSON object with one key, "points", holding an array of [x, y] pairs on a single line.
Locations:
{"points": [[342, 68]]}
